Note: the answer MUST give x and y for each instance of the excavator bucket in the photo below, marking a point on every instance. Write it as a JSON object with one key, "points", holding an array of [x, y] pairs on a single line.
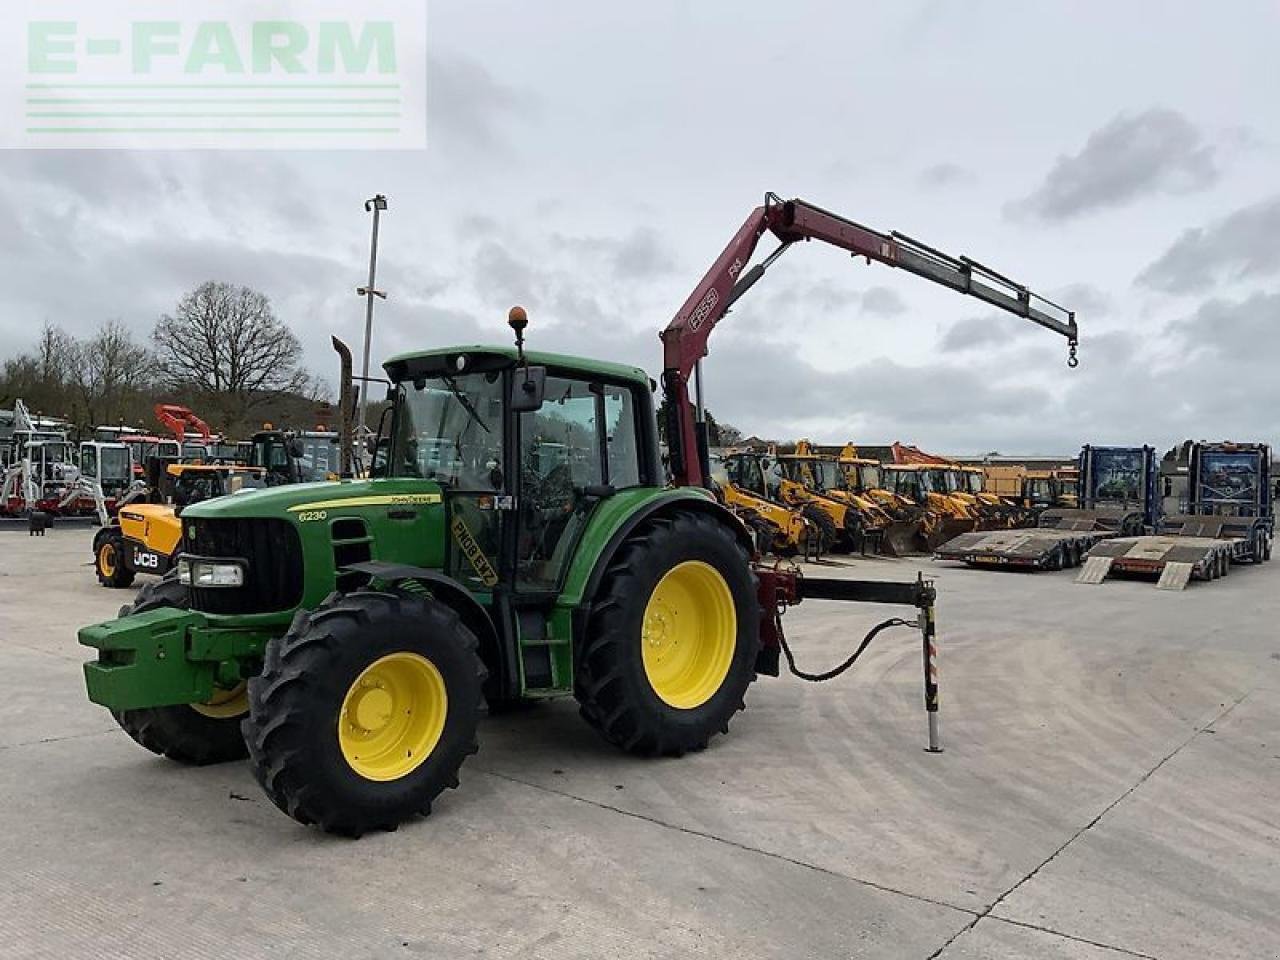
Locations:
{"points": [[901, 538], [948, 528]]}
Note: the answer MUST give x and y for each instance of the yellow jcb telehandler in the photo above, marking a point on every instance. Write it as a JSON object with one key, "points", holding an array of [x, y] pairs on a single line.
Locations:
{"points": [[146, 537]]}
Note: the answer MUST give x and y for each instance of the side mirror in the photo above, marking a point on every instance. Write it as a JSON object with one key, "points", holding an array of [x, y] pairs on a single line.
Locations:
{"points": [[528, 389]]}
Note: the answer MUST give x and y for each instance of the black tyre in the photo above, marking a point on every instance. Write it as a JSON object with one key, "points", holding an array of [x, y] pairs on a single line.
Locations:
{"points": [[672, 638], [195, 734], [365, 711], [828, 532], [108, 559]]}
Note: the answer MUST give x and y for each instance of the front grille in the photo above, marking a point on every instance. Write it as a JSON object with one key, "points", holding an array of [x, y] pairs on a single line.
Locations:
{"points": [[274, 579]]}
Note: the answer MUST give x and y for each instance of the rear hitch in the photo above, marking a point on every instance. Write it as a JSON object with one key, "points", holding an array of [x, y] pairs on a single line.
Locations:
{"points": [[782, 587]]}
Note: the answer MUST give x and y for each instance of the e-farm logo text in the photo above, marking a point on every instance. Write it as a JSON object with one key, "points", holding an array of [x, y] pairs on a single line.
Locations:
{"points": [[234, 75]]}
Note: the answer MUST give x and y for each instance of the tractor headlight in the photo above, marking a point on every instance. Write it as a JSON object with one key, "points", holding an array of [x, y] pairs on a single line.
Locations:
{"points": [[193, 572]]}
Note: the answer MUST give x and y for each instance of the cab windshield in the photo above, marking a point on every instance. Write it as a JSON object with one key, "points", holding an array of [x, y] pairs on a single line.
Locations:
{"points": [[826, 474], [1041, 488], [937, 481], [907, 483], [449, 429], [869, 477], [113, 463], [974, 480]]}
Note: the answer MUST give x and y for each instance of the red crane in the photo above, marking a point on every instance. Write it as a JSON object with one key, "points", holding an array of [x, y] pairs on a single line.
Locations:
{"points": [[685, 338]]}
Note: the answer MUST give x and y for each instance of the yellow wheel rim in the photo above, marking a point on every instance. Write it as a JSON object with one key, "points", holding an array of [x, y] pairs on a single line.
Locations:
{"points": [[225, 704], [392, 716], [107, 559], [689, 633]]}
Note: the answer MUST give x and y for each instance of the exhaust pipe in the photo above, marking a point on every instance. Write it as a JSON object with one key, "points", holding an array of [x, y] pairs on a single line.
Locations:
{"points": [[345, 449]]}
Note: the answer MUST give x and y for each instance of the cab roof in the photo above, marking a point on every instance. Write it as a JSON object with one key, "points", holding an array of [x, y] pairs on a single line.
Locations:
{"points": [[429, 363]]}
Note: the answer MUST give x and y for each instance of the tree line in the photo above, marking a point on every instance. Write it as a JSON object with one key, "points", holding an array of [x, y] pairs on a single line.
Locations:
{"points": [[222, 352]]}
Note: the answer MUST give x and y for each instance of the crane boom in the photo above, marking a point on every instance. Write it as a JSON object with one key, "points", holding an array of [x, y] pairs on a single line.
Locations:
{"points": [[685, 338]]}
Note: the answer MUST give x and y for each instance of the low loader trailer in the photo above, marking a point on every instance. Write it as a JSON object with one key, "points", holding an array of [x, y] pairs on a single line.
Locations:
{"points": [[1229, 520], [1120, 485]]}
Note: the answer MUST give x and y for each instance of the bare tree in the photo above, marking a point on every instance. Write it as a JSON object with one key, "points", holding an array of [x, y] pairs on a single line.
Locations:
{"points": [[226, 342], [111, 372], [41, 378]]}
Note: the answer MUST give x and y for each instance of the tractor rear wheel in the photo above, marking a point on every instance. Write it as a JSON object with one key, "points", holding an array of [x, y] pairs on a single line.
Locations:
{"points": [[672, 638], [108, 559], [365, 710], [197, 733]]}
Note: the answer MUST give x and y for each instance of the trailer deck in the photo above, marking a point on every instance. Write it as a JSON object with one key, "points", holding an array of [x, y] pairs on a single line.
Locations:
{"points": [[1032, 548], [1187, 548], [1061, 540]]}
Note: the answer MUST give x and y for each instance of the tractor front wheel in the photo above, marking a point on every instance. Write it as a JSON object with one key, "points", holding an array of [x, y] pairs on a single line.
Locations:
{"points": [[108, 559], [365, 710], [672, 638], [197, 733]]}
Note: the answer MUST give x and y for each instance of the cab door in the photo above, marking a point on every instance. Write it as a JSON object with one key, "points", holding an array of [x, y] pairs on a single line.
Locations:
{"points": [[574, 452]]}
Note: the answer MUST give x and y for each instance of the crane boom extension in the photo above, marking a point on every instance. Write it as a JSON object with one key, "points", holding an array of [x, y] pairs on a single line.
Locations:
{"points": [[685, 338]]}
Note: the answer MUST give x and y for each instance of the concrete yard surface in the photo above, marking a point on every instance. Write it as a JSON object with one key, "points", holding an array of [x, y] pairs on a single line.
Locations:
{"points": [[1110, 789]]}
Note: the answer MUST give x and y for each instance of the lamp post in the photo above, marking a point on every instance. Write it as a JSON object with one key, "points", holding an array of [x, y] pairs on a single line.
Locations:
{"points": [[376, 205]]}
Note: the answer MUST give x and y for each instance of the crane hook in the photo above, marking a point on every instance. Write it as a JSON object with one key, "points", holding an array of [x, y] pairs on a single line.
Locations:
{"points": [[1072, 360]]}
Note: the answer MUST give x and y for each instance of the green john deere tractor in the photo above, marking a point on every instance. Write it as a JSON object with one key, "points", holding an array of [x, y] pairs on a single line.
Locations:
{"points": [[516, 540], [519, 540]]}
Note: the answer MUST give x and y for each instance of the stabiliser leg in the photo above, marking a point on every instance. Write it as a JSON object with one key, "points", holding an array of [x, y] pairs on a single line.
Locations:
{"points": [[918, 593]]}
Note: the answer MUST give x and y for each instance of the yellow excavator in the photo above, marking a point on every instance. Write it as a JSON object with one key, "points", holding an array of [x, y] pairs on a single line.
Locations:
{"points": [[760, 474], [932, 485], [739, 483], [993, 510], [909, 521], [823, 477], [798, 481]]}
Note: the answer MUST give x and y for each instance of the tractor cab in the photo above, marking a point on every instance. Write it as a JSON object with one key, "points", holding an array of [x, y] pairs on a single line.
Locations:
{"points": [[523, 470], [290, 456]]}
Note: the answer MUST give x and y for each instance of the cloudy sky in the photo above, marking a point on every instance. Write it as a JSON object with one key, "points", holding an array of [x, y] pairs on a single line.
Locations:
{"points": [[589, 160]]}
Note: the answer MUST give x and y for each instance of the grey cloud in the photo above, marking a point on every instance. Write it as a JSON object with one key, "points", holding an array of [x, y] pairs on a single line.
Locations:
{"points": [[641, 254], [637, 255], [467, 106], [1084, 299], [506, 279], [983, 331], [1241, 333], [1242, 245], [946, 175], [883, 302], [1156, 151]]}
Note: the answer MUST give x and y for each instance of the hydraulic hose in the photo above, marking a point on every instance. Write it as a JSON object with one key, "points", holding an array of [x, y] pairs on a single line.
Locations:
{"points": [[836, 671]]}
